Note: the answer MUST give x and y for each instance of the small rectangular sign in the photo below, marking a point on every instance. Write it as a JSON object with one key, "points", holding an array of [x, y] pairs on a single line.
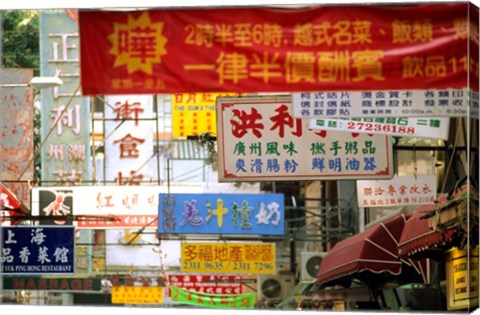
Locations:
{"points": [[137, 295], [257, 258], [37, 250], [221, 214], [399, 191], [210, 284], [436, 128]]}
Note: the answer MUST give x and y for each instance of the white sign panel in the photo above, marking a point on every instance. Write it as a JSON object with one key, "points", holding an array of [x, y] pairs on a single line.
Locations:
{"points": [[398, 191], [101, 207], [404, 103], [436, 128], [140, 245], [259, 139], [129, 141]]}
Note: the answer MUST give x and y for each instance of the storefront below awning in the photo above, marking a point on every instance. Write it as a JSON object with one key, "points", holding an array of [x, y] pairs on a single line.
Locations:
{"points": [[289, 301], [374, 250]]}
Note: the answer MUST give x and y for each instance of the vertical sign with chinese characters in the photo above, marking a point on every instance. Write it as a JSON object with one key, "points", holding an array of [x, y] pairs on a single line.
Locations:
{"points": [[259, 139], [129, 139], [37, 250], [16, 131], [65, 113], [462, 274]]}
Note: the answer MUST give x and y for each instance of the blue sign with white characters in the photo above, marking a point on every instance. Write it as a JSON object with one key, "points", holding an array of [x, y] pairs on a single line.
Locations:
{"points": [[261, 214], [37, 250]]}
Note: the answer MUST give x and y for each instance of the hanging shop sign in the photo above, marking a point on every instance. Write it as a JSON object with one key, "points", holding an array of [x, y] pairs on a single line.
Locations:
{"points": [[224, 301], [10, 207], [462, 274], [194, 113], [436, 128], [221, 214], [101, 207], [259, 140], [256, 258], [399, 191], [137, 295], [51, 284], [209, 284], [130, 127], [253, 49], [386, 103], [65, 152], [37, 250], [16, 133]]}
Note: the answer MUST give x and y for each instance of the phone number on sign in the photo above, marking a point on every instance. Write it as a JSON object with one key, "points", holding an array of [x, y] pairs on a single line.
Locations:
{"points": [[354, 125]]}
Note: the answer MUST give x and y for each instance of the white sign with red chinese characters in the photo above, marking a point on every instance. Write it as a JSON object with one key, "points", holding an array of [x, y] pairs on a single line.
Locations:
{"points": [[102, 207], [259, 140], [435, 128], [398, 191], [129, 142]]}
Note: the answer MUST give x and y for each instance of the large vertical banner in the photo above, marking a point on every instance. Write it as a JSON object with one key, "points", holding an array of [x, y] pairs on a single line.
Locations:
{"points": [[129, 139], [65, 113], [16, 131]]}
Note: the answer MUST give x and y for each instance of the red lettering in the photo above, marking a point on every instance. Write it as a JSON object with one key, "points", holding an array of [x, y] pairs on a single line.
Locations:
{"points": [[42, 284], [64, 285], [88, 284], [52, 284], [76, 284], [18, 283], [31, 285]]}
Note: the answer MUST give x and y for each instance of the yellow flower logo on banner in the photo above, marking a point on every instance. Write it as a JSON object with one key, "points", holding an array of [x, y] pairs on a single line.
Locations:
{"points": [[138, 44]]}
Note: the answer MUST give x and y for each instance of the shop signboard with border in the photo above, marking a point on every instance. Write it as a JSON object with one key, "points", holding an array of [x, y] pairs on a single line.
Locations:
{"points": [[462, 274], [259, 140], [37, 250]]}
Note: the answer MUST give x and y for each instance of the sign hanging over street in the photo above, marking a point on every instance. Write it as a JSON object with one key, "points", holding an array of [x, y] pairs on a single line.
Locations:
{"points": [[436, 128], [37, 250], [221, 214], [259, 140], [256, 258], [399, 191], [356, 47], [417, 103]]}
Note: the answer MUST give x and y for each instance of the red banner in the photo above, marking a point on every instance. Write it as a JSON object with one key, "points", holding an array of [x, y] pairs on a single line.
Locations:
{"points": [[420, 46]]}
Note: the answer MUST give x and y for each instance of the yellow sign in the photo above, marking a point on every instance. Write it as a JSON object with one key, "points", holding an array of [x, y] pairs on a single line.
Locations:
{"points": [[137, 295], [229, 258], [462, 279], [194, 113]]}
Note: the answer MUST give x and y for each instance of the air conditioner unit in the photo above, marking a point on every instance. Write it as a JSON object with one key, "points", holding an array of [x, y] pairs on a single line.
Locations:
{"points": [[274, 288], [310, 262]]}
